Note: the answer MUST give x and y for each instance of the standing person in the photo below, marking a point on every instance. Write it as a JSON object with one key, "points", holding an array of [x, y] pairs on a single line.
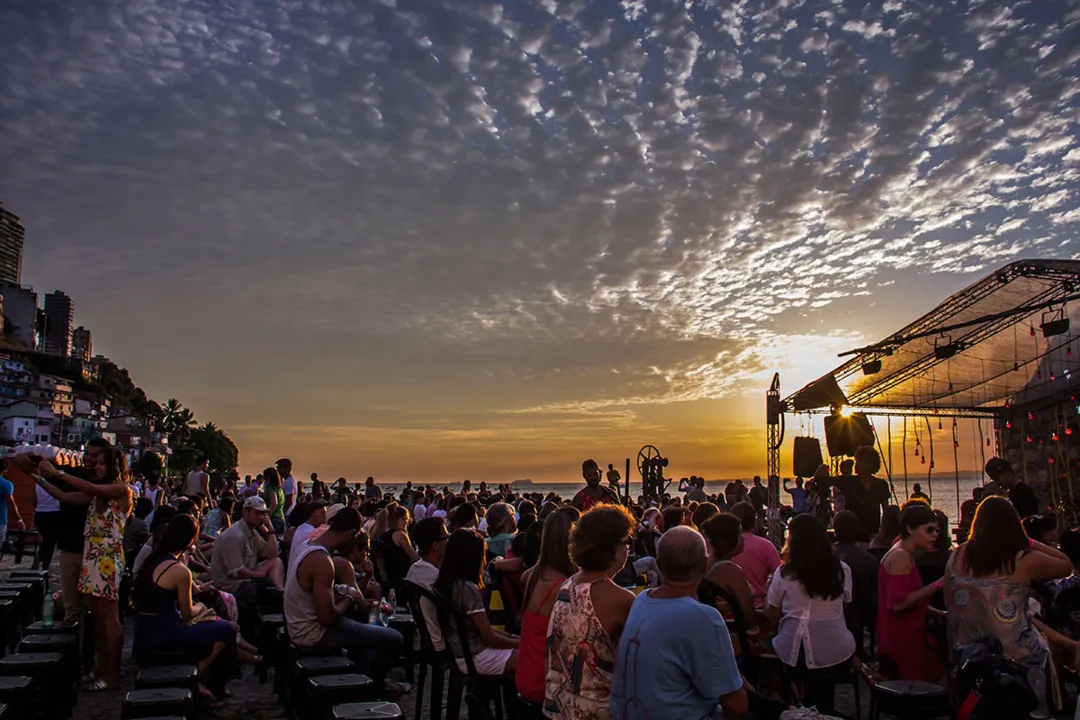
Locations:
{"points": [[47, 523], [864, 494], [319, 491], [806, 603], [155, 493], [903, 600], [372, 491], [274, 497], [542, 583], [316, 615], [918, 494], [613, 478], [759, 557], [288, 482], [593, 493], [198, 480], [759, 498], [588, 617], [697, 493], [103, 552], [1019, 492], [7, 504], [798, 495]]}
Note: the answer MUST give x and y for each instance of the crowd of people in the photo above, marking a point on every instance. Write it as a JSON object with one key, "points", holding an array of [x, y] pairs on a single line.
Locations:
{"points": [[613, 609]]}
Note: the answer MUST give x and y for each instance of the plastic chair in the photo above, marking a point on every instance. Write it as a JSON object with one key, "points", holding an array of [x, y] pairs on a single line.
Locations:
{"points": [[368, 711], [909, 699], [411, 593], [489, 687], [328, 691], [176, 702]]}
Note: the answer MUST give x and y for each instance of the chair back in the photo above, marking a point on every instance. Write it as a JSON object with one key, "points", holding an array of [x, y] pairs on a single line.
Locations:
{"points": [[410, 593], [512, 605], [454, 624], [378, 562], [709, 593]]}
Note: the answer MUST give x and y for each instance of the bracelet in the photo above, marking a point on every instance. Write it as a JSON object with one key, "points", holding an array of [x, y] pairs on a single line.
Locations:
{"points": [[936, 584]]}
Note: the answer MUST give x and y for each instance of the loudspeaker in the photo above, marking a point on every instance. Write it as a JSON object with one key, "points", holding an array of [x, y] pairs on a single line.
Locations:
{"points": [[807, 456], [845, 435]]}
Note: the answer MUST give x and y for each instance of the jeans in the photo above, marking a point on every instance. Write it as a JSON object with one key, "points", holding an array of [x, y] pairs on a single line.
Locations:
{"points": [[46, 524], [373, 648]]}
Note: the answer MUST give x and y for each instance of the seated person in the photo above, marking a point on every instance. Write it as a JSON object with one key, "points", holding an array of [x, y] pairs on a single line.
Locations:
{"points": [[460, 581], [137, 530], [246, 555], [168, 618], [758, 558], [162, 517], [861, 614], [219, 519], [675, 658], [430, 536], [501, 528], [353, 566], [1063, 614], [316, 613], [724, 536]]}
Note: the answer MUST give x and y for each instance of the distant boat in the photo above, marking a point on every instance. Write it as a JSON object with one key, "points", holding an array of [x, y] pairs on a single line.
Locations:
{"points": [[526, 481]]}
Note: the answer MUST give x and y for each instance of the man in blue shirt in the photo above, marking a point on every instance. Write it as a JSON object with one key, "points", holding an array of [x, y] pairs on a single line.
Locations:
{"points": [[7, 505], [675, 658]]}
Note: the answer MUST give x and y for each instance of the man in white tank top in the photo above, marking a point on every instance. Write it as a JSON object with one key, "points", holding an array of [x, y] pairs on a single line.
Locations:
{"points": [[316, 612]]}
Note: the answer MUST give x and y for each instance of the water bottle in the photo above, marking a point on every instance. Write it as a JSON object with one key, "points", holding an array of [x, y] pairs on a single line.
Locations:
{"points": [[392, 599], [48, 611], [385, 611]]}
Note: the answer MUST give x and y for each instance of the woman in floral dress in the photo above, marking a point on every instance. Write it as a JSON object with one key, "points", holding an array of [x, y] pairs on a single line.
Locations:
{"points": [[110, 500]]}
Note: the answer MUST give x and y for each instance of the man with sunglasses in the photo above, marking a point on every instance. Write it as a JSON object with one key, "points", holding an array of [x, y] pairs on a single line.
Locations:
{"points": [[430, 537]]}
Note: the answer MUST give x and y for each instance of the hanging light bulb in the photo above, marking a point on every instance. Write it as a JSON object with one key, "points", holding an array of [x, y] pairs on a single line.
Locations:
{"points": [[1052, 378], [938, 424], [1008, 426], [1031, 416], [1038, 375], [1054, 437], [924, 460], [916, 452], [955, 444], [1050, 460], [1068, 430], [987, 442], [1032, 331], [931, 464], [1068, 350], [1016, 367], [1029, 439]]}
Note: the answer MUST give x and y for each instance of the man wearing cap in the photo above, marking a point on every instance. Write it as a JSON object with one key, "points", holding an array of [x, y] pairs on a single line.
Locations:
{"points": [[248, 552], [1019, 493]]}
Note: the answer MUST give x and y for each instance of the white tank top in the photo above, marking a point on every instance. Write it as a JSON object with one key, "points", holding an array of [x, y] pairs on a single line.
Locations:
{"points": [[300, 616], [194, 483]]}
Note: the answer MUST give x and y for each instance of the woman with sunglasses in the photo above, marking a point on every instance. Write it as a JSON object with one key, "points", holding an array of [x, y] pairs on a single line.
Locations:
{"points": [[903, 600]]}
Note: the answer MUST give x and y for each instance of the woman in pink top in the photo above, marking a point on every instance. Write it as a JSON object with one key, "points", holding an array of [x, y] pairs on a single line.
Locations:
{"points": [[903, 600], [759, 557], [542, 583]]}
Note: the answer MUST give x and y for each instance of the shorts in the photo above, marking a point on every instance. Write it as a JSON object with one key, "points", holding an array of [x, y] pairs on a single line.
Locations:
{"points": [[489, 661]]}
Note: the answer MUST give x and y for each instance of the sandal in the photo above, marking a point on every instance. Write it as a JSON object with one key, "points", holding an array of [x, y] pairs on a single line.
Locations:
{"points": [[88, 678], [100, 685], [247, 657]]}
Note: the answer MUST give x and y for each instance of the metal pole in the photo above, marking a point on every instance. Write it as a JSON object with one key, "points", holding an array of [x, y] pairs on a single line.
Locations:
{"points": [[627, 481]]}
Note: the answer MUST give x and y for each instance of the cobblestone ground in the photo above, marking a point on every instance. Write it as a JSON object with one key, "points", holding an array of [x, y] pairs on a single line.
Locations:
{"points": [[254, 701]]}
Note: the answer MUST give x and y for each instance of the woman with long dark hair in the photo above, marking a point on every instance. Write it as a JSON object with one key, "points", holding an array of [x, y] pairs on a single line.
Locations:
{"points": [[167, 616], [988, 584], [542, 582], [806, 603], [889, 530], [460, 581], [724, 535], [103, 552], [398, 553], [903, 599]]}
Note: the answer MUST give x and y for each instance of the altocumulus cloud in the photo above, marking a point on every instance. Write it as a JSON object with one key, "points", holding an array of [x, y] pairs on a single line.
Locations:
{"points": [[605, 202]]}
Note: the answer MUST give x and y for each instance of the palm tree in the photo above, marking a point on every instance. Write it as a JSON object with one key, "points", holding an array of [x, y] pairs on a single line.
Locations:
{"points": [[176, 420]]}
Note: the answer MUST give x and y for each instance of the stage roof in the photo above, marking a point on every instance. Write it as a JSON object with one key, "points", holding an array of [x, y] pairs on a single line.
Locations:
{"points": [[974, 354]]}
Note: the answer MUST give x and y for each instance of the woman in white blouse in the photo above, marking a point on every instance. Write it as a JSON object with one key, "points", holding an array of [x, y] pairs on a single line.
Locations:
{"points": [[806, 603]]}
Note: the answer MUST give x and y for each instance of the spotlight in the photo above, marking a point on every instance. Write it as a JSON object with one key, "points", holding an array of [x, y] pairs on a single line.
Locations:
{"points": [[872, 367], [944, 352], [847, 411], [1058, 326]]}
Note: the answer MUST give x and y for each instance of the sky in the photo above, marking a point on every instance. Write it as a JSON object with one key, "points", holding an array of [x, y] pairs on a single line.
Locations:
{"points": [[439, 239]]}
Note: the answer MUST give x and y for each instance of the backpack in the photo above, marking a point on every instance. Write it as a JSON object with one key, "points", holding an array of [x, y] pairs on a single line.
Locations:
{"points": [[989, 685]]}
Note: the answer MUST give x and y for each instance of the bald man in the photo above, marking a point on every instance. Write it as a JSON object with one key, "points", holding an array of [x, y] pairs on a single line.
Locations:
{"points": [[668, 628]]}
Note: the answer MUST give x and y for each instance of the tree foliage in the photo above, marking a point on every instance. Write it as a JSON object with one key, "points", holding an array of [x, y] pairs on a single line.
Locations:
{"points": [[149, 463]]}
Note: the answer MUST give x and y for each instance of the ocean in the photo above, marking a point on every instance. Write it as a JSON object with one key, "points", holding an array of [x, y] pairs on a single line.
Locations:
{"points": [[942, 488]]}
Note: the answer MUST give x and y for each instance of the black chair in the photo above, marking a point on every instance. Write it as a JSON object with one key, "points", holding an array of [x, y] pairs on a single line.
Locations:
{"points": [[368, 711], [68, 648], [10, 624], [709, 593], [303, 669], [511, 599], [17, 693], [833, 678], [158, 702], [65, 627], [328, 691], [168, 676], [489, 687], [406, 625], [52, 689], [36, 588], [411, 594], [909, 699], [267, 641]]}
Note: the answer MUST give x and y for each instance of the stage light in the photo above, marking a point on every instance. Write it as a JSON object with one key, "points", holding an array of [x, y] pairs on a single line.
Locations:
{"points": [[1059, 325], [872, 367], [847, 411]]}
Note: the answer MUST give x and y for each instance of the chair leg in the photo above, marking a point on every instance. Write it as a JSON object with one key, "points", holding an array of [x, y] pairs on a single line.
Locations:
{"points": [[454, 695], [855, 688], [438, 672], [420, 691]]}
